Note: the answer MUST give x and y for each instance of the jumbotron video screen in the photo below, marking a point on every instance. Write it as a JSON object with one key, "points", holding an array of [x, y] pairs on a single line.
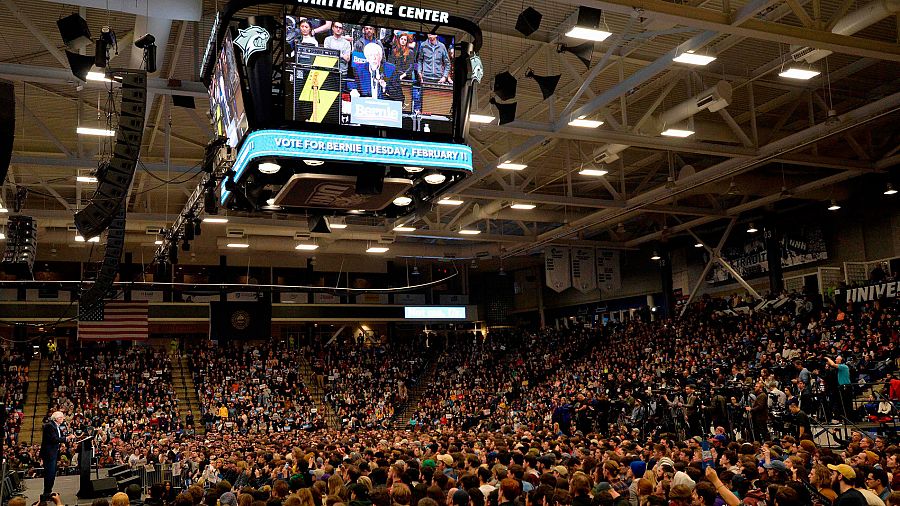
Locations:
{"points": [[343, 74], [226, 100]]}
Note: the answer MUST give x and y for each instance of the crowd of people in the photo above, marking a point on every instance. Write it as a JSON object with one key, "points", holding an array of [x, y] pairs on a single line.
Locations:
{"points": [[252, 388], [13, 388], [575, 415], [367, 385]]}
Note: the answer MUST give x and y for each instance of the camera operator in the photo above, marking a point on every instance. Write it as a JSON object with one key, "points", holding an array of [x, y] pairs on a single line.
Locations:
{"points": [[759, 414], [692, 410], [800, 421]]}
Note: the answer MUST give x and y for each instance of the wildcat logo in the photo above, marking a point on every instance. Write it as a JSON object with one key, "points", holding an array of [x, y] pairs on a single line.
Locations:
{"points": [[251, 40]]}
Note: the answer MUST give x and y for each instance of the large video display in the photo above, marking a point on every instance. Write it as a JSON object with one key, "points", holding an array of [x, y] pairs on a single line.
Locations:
{"points": [[226, 100], [353, 75]]}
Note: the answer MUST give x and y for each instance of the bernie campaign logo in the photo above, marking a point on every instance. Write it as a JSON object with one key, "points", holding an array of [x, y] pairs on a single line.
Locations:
{"points": [[251, 40]]}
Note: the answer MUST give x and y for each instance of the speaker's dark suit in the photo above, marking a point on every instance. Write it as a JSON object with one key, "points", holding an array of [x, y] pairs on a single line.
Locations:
{"points": [[50, 441]]}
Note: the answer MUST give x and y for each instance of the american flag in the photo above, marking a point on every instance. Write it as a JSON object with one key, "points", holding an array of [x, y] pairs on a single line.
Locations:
{"points": [[112, 321]]}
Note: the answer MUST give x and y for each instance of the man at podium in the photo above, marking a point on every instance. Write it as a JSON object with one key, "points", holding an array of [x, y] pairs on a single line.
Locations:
{"points": [[52, 436]]}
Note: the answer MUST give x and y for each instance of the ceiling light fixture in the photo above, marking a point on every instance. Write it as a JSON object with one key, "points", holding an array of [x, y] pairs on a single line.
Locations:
{"points": [[834, 205], [314, 163], [101, 132], [402, 201], [209, 219], [80, 238], [582, 122], [377, 249], [447, 201], [752, 229], [98, 76], [593, 172], [157, 243], [337, 223], [508, 165], [890, 190], [677, 132], [306, 247], [692, 58], [798, 73], [413, 169], [698, 245], [525, 207], [469, 231], [435, 178], [587, 26], [404, 228], [481, 118], [269, 167], [240, 245], [86, 179], [655, 256]]}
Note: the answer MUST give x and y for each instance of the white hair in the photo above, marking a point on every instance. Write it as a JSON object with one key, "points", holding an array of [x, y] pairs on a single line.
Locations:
{"points": [[370, 49], [57, 414]]}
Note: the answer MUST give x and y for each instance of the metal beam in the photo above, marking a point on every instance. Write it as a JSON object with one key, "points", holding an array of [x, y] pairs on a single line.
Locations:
{"points": [[47, 75], [714, 253], [720, 22], [728, 168], [88, 163], [38, 34]]}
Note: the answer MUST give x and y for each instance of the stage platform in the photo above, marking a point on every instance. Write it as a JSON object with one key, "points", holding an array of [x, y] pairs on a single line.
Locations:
{"points": [[66, 486]]}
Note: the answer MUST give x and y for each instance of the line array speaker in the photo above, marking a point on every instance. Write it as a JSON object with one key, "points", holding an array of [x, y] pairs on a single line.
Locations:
{"points": [[112, 257], [118, 173], [7, 125], [21, 245]]}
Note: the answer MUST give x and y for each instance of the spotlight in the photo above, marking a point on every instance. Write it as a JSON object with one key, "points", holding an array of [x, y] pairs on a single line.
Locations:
{"points": [[186, 245], [655, 256], [890, 190], [173, 251], [505, 85], [547, 84], [413, 170], [588, 25], [435, 178], [834, 205], [148, 44], [197, 229], [584, 51], [210, 206], [529, 21], [106, 40], [188, 230], [752, 229], [314, 163], [507, 112]]}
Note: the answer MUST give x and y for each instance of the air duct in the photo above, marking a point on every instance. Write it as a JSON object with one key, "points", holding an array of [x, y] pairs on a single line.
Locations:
{"points": [[856, 21]]}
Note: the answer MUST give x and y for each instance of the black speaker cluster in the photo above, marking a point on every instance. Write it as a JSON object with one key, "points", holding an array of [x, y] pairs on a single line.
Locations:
{"points": [[114, 177], [115, 245], [21, 245]]}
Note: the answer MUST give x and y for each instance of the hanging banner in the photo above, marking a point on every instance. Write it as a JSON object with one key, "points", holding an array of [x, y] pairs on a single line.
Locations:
{"points": [[876, 291], [609, 274], [750, 259], [557, 268], [584, 274]]}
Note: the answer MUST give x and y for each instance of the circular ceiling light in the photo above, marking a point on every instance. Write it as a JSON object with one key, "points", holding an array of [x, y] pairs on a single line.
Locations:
{"points": [[402, 201], [435, 178], [269, 167]]}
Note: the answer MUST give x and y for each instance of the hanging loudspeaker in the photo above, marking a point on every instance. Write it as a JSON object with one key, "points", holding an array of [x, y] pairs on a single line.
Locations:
{"points": [[529, 21], [115, 244], [505, 86], [7, 126], [584, 51], [546, 83], [505, 112], [112, 188]]}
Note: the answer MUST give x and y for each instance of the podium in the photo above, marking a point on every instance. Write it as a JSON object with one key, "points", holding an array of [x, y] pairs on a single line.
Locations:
{"points": [[85, 458]]}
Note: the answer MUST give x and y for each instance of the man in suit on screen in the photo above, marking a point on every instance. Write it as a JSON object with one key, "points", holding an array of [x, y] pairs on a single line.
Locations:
{"points": [[52, 437]]}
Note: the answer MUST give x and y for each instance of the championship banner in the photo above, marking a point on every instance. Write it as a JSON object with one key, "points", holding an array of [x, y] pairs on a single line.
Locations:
{"points": [[240, 320], [557, 268], [584, 274], [888, 290], [750, 258], [609, 274]]}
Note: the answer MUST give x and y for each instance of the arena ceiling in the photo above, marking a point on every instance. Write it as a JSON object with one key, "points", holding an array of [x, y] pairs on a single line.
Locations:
{"points": [[778, 142]]}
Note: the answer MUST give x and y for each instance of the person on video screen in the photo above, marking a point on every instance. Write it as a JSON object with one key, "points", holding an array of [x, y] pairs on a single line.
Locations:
{"points": [[370, 36], [401, 56], [339, 41], [433, 61], [375, 78]]}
